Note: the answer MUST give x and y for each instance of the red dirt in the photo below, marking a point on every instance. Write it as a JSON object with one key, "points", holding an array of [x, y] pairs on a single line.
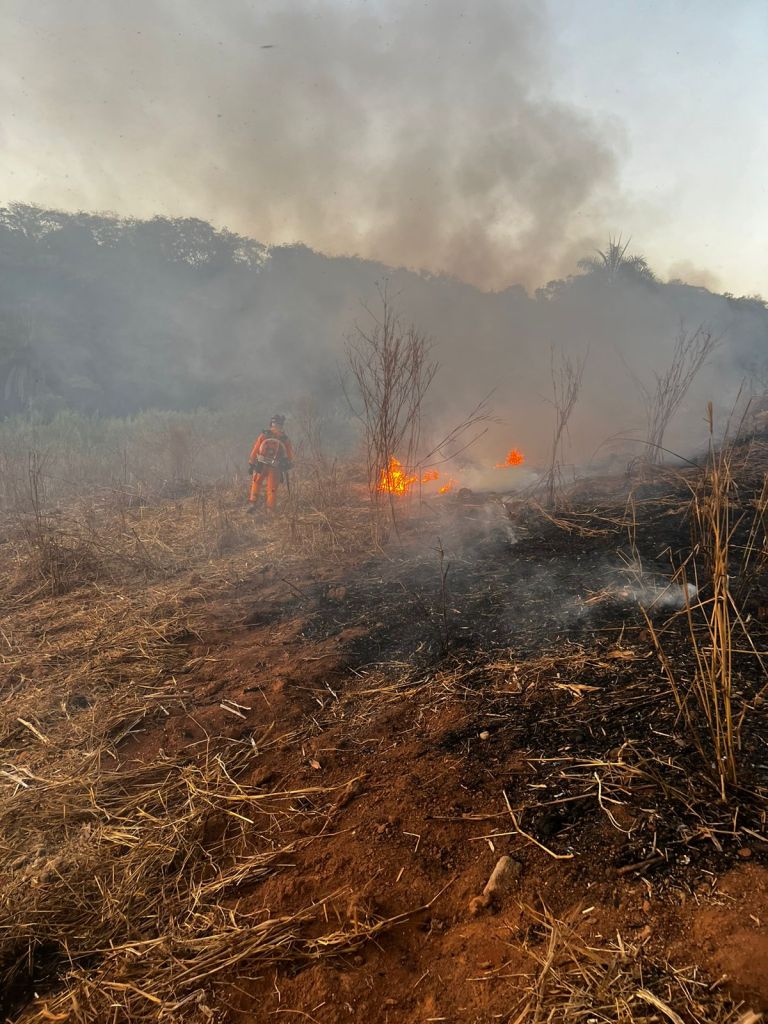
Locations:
{"points": [[397, 840]]}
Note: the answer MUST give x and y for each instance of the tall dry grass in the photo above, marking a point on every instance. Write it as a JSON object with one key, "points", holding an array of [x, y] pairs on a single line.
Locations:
{"points": [[711, 707], [152, 454]]}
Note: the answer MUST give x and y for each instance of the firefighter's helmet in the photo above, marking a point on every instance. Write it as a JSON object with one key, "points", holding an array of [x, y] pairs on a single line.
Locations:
{"points": [[277, 420]]}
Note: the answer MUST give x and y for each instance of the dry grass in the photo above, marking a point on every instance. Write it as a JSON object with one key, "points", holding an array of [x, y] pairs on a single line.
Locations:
{"points": [[126, 882], [712, 709], [578, 983], [145, 901], [132, 884]]}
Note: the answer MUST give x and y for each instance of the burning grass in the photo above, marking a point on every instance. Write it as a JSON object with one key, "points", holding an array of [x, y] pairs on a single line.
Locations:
{"points": [[398, 480]]}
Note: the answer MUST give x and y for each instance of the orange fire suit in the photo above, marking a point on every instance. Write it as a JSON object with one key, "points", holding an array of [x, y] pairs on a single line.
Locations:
{"points": [[271, 474]]}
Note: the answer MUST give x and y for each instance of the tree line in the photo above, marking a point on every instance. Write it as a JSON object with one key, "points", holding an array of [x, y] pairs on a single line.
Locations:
{"points": [[110, 315]]}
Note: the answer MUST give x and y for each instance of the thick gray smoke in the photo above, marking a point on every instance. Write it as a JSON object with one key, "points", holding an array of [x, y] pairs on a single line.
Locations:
{"points": [[422, 135], [419, 135]]}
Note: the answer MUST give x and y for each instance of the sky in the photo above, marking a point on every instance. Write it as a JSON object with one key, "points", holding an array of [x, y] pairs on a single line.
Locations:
{"points": [[497, 141], [687, 80]]}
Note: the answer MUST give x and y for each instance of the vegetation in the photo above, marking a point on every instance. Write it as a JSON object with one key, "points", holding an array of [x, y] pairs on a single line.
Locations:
{"points": [[691, 351], [227, 739], [615, 262], [110, 317], [153, 452], [567, 376], [729, 554], [392, 371]]}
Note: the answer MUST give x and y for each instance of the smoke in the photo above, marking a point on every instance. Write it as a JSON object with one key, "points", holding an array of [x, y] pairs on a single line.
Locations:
{"points": [[686, 270], [421, 135]]}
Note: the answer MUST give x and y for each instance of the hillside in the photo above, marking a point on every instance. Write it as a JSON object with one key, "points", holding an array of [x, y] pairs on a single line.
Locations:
{"points": [[110, 317]]}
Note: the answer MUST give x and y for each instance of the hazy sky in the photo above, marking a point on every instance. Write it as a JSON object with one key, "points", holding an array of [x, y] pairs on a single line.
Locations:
{"points": [[687, 80], [496, 140]]}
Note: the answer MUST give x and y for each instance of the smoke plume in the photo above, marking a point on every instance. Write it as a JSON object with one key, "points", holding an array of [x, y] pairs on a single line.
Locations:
{"points": [[416, 135], [421, 135]]}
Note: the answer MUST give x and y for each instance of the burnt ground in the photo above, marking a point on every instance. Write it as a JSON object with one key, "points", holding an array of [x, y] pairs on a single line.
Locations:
{"points": [[487, 685], [530, 674]]}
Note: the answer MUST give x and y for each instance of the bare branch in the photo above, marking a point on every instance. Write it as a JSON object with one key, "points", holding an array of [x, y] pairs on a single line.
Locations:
{"points": [[566, 384], [662, 399]]}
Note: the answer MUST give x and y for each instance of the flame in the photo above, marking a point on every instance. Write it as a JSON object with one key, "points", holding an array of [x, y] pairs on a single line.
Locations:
{"points": [[394, 479], [514, 458]]}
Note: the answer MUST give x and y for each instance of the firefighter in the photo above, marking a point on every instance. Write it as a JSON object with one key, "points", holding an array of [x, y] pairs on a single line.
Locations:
{"points": [[271, 458]]}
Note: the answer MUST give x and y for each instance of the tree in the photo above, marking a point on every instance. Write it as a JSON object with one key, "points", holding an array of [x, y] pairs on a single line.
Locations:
{"points": [[21, 371], [392, 372], [615, 262]]}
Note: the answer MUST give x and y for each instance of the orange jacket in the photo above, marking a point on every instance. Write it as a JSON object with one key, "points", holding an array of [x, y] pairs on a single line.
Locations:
{"points": [[271, 433]]}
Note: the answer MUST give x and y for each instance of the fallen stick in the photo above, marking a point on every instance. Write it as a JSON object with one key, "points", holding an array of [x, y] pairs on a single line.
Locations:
{"points": [[507, 870], [34, 731], [541, 846], [629, 868]]}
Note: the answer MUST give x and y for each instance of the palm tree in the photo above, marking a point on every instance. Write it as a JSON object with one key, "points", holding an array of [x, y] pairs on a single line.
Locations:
{"points": [[614, 262]]}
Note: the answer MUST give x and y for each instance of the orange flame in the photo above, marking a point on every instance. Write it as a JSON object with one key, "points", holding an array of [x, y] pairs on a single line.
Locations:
{"points": [[514, 458], [394, 479]]}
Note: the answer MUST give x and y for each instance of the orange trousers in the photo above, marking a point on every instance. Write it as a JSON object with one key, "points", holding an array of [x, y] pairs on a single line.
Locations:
{"points": [[272, 476]]}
